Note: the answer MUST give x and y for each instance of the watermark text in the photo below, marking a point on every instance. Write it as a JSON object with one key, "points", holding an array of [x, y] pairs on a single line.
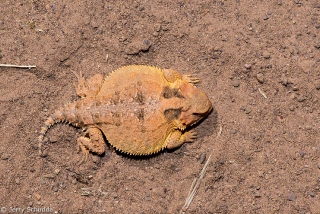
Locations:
{"points": [[26, 210]]}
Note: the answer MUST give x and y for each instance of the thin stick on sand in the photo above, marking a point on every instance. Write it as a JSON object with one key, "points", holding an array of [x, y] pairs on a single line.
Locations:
{"points": [[196, 182], [17, 66]]}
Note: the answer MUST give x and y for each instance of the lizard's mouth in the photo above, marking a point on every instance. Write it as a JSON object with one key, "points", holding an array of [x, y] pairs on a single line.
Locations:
{"points": [[190, 119]]}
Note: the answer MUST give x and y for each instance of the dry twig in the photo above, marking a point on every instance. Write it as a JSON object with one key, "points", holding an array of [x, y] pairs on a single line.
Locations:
{"points": [[196, 182], [262, 93], [17, 66]]}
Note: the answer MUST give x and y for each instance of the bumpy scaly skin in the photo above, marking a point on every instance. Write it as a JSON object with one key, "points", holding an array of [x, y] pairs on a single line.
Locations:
{"points": [[140, 109]]}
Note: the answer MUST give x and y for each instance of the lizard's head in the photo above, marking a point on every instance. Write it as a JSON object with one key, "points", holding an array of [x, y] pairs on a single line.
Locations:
{"points": [[196, 104]]}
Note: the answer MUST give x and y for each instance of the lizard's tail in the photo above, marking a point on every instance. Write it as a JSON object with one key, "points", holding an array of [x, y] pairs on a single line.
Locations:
{"points": [[65, 114]]}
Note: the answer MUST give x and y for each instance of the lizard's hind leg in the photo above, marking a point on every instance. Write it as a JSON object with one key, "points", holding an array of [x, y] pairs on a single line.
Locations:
{"points": [[92, 142]]}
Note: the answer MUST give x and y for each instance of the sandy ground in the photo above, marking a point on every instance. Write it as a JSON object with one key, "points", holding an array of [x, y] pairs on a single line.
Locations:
{"points": [[258, 61]]}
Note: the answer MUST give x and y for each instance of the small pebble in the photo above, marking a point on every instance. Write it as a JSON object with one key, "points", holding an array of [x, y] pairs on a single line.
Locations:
{"points": [[235, 83], [50, 176], [266, 54], [302, 153], [37, 196], [257, 195], [308, 127], [54, 139], [306, 65], [261, 174], [147, 198], [4, 157], [56, 171], [138, 46], [177, 169], [114, 195], [260, 78], [317, 44], [295, 88], [301, 98], [55, 189], [317, 84], [146, 44], [284, 81], [247, 110], [44, 154], [96, 159], [247, 66], [17, 180], [311, 194], [202, 158], [63, 186], [292, 197]]}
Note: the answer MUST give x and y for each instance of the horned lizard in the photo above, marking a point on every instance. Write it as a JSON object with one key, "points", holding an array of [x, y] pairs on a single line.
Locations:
{"points": [[139, 109]]}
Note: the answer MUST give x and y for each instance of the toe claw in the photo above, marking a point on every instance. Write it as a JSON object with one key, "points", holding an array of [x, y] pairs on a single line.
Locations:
{"points": [[190, 136], [191, 79]]}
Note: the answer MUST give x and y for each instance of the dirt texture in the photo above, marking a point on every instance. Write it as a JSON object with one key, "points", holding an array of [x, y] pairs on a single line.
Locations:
{"points": [[258, 61]]}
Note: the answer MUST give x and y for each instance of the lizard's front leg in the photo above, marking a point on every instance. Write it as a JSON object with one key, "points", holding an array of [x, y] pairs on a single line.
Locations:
{"points": [[89, 87], [177, 138]]}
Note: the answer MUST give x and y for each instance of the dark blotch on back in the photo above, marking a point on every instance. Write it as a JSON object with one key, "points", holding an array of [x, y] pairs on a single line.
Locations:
{"points": [[115, 98], [140, 98], [98, 103], [116, 118], [171, 92], [172, 114], [140, 114]]}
